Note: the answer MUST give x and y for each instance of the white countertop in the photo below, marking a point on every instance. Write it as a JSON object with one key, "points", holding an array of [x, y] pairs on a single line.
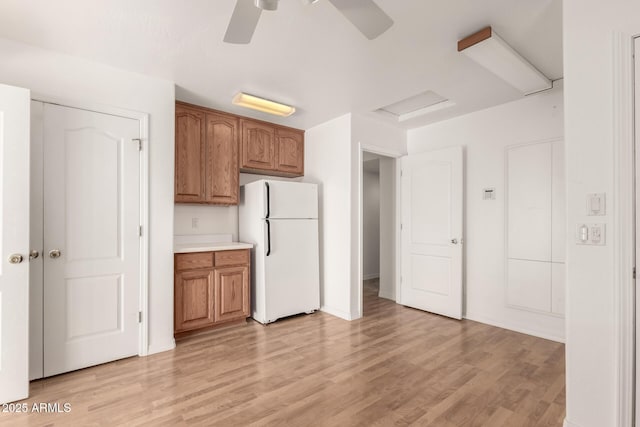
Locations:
{"points": [[206, 243]]}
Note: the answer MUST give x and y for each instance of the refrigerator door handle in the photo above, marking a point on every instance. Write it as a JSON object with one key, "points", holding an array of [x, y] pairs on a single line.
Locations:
{"points": [[266, 184], [268, 237]]}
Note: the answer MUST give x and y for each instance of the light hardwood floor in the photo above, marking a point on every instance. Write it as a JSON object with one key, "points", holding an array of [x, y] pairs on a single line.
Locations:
{"points": [[396, 366]]}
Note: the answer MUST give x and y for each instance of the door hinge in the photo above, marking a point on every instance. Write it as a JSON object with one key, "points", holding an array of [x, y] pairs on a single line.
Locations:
{"points": [[400, 226], [139, 231], [401, 173], [634, 273], [139, 317], [139, 141]]}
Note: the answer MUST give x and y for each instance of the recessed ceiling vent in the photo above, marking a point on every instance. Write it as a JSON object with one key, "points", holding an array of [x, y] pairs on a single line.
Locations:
{"points": [[417, 105]]}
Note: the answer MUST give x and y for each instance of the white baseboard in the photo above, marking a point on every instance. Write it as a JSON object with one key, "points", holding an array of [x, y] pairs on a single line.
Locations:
{"points": [[492, 322], [335, 312], [386, 295], [568, 423], [153, 349], [370, 276]]}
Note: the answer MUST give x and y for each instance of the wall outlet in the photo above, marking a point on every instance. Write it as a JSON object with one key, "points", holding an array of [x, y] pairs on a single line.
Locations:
{"points": [[591, 234], [195, 222]]}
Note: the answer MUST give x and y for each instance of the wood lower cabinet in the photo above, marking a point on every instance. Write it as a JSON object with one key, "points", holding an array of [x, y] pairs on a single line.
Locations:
{"points": [[206, 167], [210, 288], [232, 291], [194, 299], [271, 149]]}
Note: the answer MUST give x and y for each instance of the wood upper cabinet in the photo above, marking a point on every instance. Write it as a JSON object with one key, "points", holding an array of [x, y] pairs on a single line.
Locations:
{"points": [[271, 149], [258, 145], [206, 169], [221, 159], [194, 301], [190, 150], [290, 146]]}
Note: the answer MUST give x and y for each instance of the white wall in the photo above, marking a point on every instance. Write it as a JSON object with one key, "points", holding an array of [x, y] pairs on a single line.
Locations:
{"points": [[328, 163], [68, 78], [589, 26], [387, 228], [485, 134], [371, 224]]}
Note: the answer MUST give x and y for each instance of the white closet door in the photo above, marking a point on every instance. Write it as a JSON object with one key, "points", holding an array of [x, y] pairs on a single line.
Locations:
{"points": [[14, 247], [529, 208], [36, 265], [91, 243], [558, 202]]}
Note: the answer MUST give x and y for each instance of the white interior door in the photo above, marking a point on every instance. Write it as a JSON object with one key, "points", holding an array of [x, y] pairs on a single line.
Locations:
{"points": [[432, 201], [91, 238], [14, 232]]}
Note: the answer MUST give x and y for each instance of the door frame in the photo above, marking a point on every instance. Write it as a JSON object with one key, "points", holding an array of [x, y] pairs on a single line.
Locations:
{"points": [[396, 155], [624, 218], [143, 119]]}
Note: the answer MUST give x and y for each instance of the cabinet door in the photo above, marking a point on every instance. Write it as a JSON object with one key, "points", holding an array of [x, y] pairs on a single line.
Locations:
{"points": [[194, 302], [221, 159], [290, 149], [232, 293], [258, 146], [189, 169]]}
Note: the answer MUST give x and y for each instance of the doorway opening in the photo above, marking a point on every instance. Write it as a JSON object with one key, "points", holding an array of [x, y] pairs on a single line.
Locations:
{"points": [[378, 231]]}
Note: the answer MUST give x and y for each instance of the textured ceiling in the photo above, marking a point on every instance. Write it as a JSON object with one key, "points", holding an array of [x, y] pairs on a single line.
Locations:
{"points": [[308, 56]]}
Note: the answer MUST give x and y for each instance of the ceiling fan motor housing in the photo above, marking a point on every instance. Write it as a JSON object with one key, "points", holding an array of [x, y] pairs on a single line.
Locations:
{"points": [[267, 4]]}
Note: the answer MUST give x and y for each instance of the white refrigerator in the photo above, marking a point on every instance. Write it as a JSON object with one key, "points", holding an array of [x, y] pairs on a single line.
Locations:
{"points": [[281, 219]]}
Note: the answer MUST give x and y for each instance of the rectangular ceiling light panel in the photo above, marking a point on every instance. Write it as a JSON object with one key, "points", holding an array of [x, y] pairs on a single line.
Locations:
{"points": [[264, 105], [489, 50]]}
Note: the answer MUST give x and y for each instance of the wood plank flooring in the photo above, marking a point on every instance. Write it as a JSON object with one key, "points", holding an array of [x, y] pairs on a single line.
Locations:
{"points": [[395, 366]]}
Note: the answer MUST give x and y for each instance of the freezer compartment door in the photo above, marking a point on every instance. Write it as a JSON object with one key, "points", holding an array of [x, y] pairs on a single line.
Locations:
{"points": [[292, 283], [291, 199]]}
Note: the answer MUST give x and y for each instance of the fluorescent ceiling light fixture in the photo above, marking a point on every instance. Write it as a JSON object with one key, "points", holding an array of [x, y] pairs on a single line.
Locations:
{"points": [[415, 106], [266, 4], [264, 105], [489, 50]]}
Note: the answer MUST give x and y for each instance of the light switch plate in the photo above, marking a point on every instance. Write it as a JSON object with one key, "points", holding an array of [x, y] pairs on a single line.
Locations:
{"points": [[596, 204], [591, 234]]}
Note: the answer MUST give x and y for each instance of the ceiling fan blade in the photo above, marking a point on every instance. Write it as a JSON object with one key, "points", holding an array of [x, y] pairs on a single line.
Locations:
{"points": [[365, 15], [243, 22]]}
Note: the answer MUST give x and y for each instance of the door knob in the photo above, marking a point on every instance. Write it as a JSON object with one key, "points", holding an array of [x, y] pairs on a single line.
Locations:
{"points": [[33, 254], [454, 241], [54, 253], [15, 258]]}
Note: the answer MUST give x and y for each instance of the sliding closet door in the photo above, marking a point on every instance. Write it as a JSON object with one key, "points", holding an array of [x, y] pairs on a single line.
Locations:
{"points": [[91, 238]]}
